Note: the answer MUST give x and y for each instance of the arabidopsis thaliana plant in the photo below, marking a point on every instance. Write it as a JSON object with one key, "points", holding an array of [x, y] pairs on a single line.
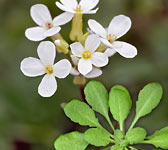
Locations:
{"points": [[33, 67], [92, 74], [88, 56], [46, 26], [119, 26], [83, 7]]}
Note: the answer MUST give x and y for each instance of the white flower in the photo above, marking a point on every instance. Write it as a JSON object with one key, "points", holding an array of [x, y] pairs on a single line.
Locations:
{"points": [[87, 56], [92, 74], [119, 26], [84, 7], [46, 26], [33, 67]]}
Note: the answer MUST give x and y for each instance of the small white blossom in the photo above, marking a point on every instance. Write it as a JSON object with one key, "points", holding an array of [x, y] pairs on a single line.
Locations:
{"points": [[119, 26], [88, 56], [83, 7], [74, 71], [33, 67], [46, 26]]}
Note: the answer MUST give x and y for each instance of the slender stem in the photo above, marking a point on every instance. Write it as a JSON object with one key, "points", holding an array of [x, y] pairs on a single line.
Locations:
{"points": [[133, 123], [109, 121], [107, 148], [132, 148]]}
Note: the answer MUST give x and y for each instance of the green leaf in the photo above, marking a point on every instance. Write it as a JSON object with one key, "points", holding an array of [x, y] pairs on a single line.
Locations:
{"points": [[71, 141], [118, 136], [136, 135], [120, 104], [149, 97], [117, 147], [159, 138], [97, 137], [97, 96], [81, 113], [158, 132]]}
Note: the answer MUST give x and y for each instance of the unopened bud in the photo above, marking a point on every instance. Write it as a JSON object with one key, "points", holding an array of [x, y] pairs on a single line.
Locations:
{"points": [[62, 46], [79, 80]]}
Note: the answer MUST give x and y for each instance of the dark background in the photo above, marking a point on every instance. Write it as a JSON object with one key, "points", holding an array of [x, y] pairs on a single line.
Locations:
{"points": [[30, 122]]}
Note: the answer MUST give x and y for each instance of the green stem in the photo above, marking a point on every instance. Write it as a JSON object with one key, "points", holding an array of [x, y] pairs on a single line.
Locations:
{"points": [[133, 123], [132, 148], [107, 148], [109, 121]]}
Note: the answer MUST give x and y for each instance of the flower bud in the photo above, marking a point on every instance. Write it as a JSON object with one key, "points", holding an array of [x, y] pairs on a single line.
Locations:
{"points": [[79, 80], [62, 46]]}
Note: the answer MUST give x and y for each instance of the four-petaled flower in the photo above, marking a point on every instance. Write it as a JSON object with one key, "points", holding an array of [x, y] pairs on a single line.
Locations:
{"points": [[47, 27], [93, 74], [88, 56], [119, 26], [33, 67], [84, 7]]}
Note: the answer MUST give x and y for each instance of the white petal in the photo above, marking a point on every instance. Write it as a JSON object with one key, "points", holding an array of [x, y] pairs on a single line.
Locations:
{"points": [[119, 26], [97, 28], [52, 31], [110, 52], [48, 86], [70, 3], [46, 52], [64, 8], [62, 68], [92, 42], [84, 66], [74, 72], [90, 11], [77, 49], [88, 4], [62, 19], [75, 60], [106, 42], [40, 14], [94, 73], [32, 67], [124, 49], [35, 33], [99, 59]]}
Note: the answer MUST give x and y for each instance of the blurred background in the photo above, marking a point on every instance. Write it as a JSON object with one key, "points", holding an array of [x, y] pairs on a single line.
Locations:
{"points": [[30, 122]]}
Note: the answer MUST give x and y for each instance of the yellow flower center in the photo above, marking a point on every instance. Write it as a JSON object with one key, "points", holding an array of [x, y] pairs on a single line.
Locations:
{"points": [[49, 69], [78, 9], [49, 25], [111, 38], [86, 54]]}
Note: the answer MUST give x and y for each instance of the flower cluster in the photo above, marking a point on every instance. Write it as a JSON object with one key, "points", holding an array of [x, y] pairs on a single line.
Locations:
{"points": [[88, 53]]}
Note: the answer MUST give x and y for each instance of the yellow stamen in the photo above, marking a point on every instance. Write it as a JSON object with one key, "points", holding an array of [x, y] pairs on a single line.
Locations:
{"points": [[78, 9], [111, 38], [49, 25], [86, 54], [49, 69]]}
